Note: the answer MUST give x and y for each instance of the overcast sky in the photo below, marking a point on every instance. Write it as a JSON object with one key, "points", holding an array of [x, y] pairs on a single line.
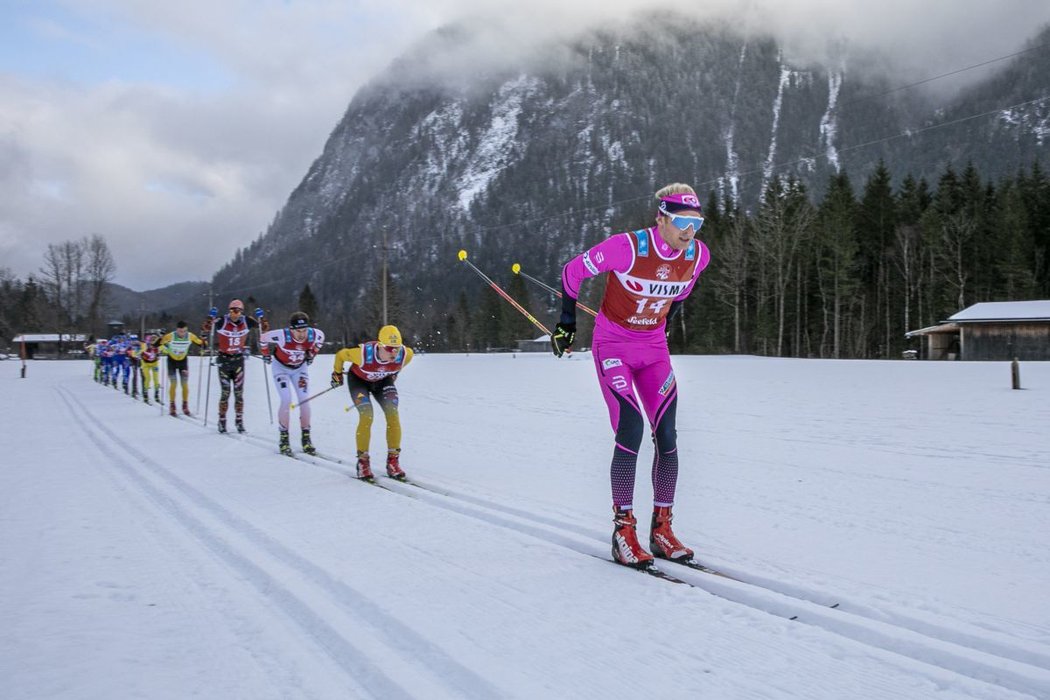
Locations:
{"points": [[177, 130]]}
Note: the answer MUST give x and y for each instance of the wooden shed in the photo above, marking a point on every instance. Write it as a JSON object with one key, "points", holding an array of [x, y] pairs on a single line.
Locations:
{"points": [[994, 330], [940, 342]]}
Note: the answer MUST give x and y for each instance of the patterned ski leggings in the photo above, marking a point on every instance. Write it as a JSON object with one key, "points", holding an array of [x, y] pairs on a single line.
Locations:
{"points": [[231, 377], [627, 371]]}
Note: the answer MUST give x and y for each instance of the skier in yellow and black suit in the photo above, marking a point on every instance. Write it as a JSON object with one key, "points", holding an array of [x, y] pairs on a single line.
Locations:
{"points": [[374, 367], [176, 345], [149, 356]]}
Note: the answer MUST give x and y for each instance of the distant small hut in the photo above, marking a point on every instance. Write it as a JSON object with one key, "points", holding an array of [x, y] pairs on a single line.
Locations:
{"points": [[50, 346], [994, 330], [541, 344]]}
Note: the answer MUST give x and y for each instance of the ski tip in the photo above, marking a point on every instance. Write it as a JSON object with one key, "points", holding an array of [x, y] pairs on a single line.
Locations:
{"points": [[462, 255], [515, 268]]}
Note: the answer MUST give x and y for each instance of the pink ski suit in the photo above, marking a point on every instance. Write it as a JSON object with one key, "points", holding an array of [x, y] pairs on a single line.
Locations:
{"points": [[647, 280]]}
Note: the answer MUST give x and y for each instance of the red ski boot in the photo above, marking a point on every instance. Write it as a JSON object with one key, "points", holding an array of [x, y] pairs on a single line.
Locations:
{"points": [[662, 540], [393, 465], [186, 408], [171, 409], [626, 549], [364, 468]]}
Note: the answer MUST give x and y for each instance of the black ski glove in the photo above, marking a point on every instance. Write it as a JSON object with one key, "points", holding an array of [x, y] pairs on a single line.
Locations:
{"points": [[562, 338]]}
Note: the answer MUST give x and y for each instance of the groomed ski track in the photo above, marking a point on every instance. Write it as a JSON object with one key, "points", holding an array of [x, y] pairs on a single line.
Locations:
{"points": [[332, 613], [290, 581]]}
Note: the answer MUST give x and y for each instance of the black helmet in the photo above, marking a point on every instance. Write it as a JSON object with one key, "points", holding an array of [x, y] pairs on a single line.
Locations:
{"points": [[299, 320]]}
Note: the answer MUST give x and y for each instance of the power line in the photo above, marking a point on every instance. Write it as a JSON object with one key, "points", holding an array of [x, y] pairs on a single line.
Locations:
{"points": [[802, 160], [884, 139], [990, 61], [776, 166], [960, 120]]}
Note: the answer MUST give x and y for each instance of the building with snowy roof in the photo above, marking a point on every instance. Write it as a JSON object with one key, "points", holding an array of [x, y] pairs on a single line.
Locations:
{"points": [[541, 344], [992, 330], [49, 346]]}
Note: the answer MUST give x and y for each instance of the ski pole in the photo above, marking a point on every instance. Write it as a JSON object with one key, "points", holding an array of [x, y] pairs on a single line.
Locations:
{"points": [[499, 290], [516, 269], [260, 318], [164, 384], [266, 381], [311, 398], [211, 361], [200, 378], [134, 377]]}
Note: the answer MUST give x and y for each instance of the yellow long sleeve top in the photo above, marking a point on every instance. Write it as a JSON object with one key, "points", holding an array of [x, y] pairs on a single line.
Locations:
{"points": [[177, 348], [364, 361]]}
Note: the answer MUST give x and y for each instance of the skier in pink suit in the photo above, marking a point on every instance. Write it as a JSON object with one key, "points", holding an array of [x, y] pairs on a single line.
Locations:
{"points": [[650, 273]]}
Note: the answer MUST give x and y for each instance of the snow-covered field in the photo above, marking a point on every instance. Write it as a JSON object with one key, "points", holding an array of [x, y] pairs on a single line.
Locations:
{"points": [[146, 556]]}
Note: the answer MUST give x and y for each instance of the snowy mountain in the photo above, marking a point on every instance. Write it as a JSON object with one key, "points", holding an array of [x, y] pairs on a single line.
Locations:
{"points": [[886, 522], [529, 159]]}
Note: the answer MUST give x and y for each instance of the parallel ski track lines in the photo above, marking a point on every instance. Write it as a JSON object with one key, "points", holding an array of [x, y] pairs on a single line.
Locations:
{"points": [[987, 657], [994, 659], [999, 663], [178, 499], [984, 640]]}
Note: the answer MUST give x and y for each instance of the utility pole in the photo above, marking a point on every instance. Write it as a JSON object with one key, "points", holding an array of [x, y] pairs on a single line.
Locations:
{"points": [[385, 249], [142, 320]]}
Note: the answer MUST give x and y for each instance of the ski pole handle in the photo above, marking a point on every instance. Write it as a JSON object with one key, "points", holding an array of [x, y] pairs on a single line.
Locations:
{"points": [[516, 269], [496, 288]]}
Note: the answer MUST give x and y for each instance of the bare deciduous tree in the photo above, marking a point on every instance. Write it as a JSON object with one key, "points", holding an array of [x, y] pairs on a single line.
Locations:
{"points": [[784, 222], [100, 272], [53, 275], [907, 251], [730, 277], [956, 233]]}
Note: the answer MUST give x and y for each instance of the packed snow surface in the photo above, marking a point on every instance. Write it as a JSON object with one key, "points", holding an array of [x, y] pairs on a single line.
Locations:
{"points": [[887, 522]]}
